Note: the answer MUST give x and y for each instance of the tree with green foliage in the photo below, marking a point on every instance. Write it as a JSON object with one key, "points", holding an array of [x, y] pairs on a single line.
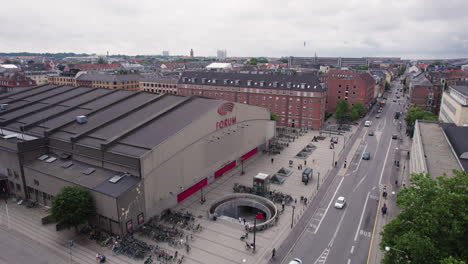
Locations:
{"points": [[354, 115], [72, 206], [361, 109], [341, 109], [432, 226], [387, 85], [284, 60], [273, 117], [101, 60], [417, 113], [362, 68]]}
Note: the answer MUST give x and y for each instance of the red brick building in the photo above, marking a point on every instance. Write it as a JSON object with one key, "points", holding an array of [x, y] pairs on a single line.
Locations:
{"points": [[15, 80], [424, 94], [298, 100], [350, 85]]}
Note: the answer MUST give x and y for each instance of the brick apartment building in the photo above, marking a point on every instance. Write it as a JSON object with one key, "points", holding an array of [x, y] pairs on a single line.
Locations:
{"points": [[351, 85], [62, 80], [15, 79], [424, 94], [297, 100], [159, 84]]}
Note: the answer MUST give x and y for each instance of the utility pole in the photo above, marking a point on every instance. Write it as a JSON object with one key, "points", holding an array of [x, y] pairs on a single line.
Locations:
{"points": [[292, 218]]}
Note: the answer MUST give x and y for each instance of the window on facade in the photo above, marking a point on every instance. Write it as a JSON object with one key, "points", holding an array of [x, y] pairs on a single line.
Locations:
{"points": [[339, 92], [305, 101], [339, 97], [18, 187], [339, 85]]}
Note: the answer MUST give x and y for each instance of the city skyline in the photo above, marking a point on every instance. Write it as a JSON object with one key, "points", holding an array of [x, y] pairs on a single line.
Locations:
{"points": [[263, 28]]}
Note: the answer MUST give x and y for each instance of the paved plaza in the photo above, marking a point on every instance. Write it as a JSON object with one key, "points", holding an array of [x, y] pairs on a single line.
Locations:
{"points": [[219, 242]]}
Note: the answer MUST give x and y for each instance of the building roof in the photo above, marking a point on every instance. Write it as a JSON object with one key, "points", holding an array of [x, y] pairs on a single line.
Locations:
{"points": [[439, 157], [457, 137], [119, 121], [463, 89], [98, 180], [421, 80], [219, 65], [9, 66], [159, 78], [89, 66], [299, 82]]}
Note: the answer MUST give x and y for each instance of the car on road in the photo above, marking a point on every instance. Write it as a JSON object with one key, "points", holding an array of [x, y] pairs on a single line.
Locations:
{"points": [[379, 111], [340, 202], [377, 116], [394, 136], [371, 133], [368, 123], [366, 156], [394, 100], [295, 261]]}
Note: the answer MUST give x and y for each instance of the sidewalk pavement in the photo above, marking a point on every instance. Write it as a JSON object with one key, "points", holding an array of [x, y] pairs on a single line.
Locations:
{"points": [[401, 175], [219, 242]]}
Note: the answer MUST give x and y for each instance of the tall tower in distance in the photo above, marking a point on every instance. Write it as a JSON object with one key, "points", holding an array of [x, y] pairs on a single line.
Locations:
{"points": [[221, 54], [191, 53]]}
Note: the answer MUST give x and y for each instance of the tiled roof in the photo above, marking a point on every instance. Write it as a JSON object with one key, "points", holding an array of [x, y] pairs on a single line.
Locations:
{"points": [[307, 82], [88, 67]]}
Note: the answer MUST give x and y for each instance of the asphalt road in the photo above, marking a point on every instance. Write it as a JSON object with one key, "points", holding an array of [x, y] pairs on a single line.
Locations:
{"points": [[17, 248], [343, 235]]}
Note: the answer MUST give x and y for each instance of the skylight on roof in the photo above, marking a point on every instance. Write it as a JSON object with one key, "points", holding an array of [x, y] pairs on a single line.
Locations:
{"points": [[67, 164], [88, 171], [116, 178], [51, 159], [43, 157]]}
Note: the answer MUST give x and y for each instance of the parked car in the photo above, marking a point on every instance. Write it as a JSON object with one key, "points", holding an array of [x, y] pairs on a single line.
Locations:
{"points": [[340, 202], [295, 261], [368, 123], [371, 133], [377, 116], [366, 156], [394, 136]]}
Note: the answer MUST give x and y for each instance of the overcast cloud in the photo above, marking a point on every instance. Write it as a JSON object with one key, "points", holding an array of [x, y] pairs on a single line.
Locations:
{"points": [[406, 28]]}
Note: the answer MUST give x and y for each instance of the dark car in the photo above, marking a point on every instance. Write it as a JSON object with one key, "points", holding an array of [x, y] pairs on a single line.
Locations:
{"points": [[366, 156], [394, 136], [371, 133]]}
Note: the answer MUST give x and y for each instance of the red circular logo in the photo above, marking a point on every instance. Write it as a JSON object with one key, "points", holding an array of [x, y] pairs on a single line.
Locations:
{"points": [[225, 108]]}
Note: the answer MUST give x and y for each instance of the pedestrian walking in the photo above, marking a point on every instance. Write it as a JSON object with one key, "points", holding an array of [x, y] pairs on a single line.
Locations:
{"points": [[175, 254], [336, 163], [272, 160], [299, 167], [283, 203], [396, 182], [344, 166], [273, 253], [305, 162], [295, 201], [305, 201]]}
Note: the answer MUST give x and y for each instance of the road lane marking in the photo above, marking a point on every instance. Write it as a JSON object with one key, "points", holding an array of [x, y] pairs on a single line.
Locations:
{"points": [[336, 230], [352, 250], [359, 163], [323, 257], [385, 162], [359, 183], [362, 215], [328, 207], [349, 261]]}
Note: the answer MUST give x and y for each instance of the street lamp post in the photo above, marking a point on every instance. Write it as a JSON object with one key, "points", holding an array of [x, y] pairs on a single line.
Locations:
{"points": [[333, 161], [258, 216], [387, 248], [242, 165], [318, 180], [292, 218]]}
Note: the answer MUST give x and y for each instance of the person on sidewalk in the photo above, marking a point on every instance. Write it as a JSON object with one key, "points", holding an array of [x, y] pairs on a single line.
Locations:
{"points": [[336, 163], [273, 253], [305, 162], [344, 166], [272, 160]]}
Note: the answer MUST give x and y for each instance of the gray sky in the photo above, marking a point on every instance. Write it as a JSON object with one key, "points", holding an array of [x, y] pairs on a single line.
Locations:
{"points": [[406, 28]]}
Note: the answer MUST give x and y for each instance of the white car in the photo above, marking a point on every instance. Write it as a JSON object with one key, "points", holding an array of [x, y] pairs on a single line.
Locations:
{"points": [[295, 261], [340, 202], [368, 123]]}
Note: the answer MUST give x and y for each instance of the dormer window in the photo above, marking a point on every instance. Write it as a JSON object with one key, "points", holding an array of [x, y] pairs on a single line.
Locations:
{"points": [[275, 84], [249, 82], [262, 83], [203, 80], [303, 85], [184, 79], [194, 80], [237, 82], [213, 81], [226, 81], [288, 85]]}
